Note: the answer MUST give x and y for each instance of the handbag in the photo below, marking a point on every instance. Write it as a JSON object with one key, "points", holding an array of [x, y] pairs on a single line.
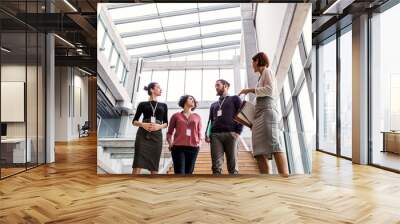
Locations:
{"points": [[246, 114]]}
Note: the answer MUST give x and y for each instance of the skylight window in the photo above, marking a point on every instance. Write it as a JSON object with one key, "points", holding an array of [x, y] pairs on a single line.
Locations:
{"points": [[136, 10]]}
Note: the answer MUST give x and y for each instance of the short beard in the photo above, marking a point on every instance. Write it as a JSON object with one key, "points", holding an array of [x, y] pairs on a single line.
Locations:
{"points": [[220, 93]]}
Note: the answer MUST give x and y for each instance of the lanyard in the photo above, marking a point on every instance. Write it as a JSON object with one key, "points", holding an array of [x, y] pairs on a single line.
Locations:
{"points": [[154, 108], [220, 104], [187, 119]]}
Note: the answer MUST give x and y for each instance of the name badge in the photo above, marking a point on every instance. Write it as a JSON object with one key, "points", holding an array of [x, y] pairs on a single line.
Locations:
{"points": [[219, 113], [188, 132], [153, 119]]}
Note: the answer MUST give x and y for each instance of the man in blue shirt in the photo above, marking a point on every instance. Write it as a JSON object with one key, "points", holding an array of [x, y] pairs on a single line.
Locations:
{"points": [[225, 132]]}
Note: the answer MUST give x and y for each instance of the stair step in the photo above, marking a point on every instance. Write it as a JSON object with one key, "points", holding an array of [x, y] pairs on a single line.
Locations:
{"points": [[119, 149]]}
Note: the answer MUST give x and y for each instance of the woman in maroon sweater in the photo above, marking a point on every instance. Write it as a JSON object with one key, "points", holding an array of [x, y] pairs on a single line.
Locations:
{"points": [[185, 144]]}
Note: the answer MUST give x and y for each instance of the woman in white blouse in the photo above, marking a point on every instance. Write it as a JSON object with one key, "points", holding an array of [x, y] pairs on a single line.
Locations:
{"points": [[265, 129]]}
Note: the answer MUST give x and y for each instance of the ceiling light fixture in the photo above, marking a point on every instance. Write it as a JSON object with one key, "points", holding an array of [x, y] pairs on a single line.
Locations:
{"points": [[65, 41], [84, 71], [5, 50], [70, 5]]}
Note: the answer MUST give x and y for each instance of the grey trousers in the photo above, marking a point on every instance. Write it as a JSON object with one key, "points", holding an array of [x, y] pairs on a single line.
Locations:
{"points": [[224, 143]]}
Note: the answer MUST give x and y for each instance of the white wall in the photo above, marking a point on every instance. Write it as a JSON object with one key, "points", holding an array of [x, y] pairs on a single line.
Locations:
{"points": [[269, 21], [69, 85]]}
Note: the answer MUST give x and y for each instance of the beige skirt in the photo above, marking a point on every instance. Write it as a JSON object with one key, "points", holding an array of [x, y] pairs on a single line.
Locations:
{"points": [[265, 130]]}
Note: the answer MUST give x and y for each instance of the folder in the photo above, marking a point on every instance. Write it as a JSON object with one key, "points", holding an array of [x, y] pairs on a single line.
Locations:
{"points": [[246, 114]]}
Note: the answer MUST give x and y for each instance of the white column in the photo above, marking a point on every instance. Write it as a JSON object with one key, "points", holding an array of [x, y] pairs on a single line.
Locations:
{"points": [[250, 43], [50, 99], [360, 90], [236, 74]]}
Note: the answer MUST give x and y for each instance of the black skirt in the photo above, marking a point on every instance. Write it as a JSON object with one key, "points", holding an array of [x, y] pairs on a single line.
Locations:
{"points": [[148, 146]]}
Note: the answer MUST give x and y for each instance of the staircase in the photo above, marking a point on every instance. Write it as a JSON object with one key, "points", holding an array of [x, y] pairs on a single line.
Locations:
{"points": [[115, 156], [247, 163]]}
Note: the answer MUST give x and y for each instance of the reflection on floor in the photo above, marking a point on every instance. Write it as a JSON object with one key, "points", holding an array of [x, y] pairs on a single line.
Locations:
{"points": [[387, 159], [10, 169], [70, 191]]}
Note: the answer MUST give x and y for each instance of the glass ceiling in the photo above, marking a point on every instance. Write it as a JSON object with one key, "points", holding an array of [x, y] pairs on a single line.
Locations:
{"points": [[157, 30]]}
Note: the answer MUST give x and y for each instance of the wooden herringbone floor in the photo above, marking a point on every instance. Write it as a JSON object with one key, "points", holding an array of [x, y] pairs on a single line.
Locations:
{"points": [[70, 191]]}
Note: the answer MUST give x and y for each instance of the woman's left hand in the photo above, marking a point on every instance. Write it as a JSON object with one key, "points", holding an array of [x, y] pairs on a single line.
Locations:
{"points": [[244, 91], [156, 127]]}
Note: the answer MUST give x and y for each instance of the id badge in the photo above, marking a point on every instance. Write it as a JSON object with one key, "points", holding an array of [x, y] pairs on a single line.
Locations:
{"points": [[188, 132], [219, 113], [153, 119]]}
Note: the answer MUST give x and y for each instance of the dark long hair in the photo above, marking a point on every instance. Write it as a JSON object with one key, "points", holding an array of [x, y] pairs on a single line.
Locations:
{"points": [[149, 87], [183, 100]]}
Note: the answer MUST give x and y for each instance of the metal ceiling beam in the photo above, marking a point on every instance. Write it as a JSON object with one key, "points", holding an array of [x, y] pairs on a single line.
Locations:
{"points": [[179, 27], [161, 53], [182, 39], [175, 13], [196, 52]]}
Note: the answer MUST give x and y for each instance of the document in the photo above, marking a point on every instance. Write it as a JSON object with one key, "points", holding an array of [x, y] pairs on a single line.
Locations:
{"points": [[246, 114]]}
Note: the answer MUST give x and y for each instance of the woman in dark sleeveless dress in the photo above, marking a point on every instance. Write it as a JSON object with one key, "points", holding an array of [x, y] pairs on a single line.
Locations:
{"points": [[148, 143]]}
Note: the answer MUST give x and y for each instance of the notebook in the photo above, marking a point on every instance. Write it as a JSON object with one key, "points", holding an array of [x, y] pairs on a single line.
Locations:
{"points": [[246, 114]]}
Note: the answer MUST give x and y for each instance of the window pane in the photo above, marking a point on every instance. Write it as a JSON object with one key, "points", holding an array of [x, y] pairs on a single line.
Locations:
{"points": [[297, 65], [286, 91], [176, 84], [210, 55], [346, 93], [161, 77], [136, 26], [209, 78], [327, 97], [385, 85], [178, 58], [307, 117], [298, 164], [120, 71], [218, 14], [193, 83], [144, 38], [194, 57], [145, 79], [177, 20], [221, 39], [221, 27], [107, 46], [114, 58], [182, 33], [134, 10], [184, 44], [226, 54], [100, 33], [148, 50], [172, 7], [307, 33]]}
